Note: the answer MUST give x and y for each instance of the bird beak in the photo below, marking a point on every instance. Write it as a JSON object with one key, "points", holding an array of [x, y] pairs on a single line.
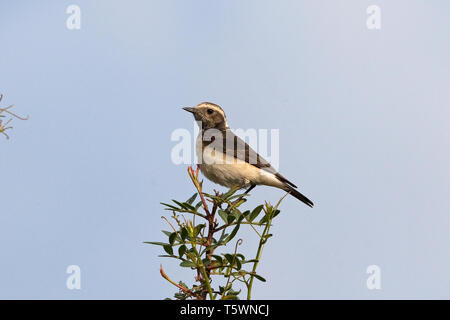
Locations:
{"points": [[191, 110]]}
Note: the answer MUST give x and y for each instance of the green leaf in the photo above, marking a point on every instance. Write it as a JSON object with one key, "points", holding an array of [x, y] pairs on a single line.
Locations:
{"points": [[236, 213], [233, 233], [170, 206], [184, 205], [168, 249], [236, 196], [191, 199], [250, 261], [222, 237], [223, 215], [229, 257], [266, 217], [167, 233], [232, 292], [238, 203], [275, 213], [241, 256], [246, 213], [199, 228], [231, 297], [239, 273], [172, 237], [180, 296], [269, 215], [191, 250], [255, 213], [218, 258], [184, 234], [229, 193], [187, 264], [198, 205], [181, 250], [156, 243], [178, 203], [238, 263], [188, 206], [257, 276]]}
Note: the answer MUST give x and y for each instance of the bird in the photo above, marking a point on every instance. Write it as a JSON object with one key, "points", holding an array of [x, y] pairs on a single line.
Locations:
{"points": [[229, 161]]}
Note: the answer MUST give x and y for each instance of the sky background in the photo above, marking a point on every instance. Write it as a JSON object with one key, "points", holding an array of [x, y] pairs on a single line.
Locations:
{"points": [[364, 131]]}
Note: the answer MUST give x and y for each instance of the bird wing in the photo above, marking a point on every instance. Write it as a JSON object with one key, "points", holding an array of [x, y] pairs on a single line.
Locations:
{"points": [[244, 152], [239, 149]]}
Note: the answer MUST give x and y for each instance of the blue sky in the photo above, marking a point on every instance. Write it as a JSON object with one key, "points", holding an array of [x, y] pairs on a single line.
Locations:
{"points": [[363, 118]]}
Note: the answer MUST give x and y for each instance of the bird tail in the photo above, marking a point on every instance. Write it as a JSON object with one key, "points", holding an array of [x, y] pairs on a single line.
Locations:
{"points": [[299, 196]]}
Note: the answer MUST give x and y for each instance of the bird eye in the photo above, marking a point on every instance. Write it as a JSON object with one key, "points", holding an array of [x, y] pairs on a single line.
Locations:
{"points": [[210, 111]]}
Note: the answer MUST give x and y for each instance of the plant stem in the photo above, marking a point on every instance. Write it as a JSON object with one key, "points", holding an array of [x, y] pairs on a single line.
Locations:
{"points": [[258, 257], [262, 241], [203, 270], [239, 242]]}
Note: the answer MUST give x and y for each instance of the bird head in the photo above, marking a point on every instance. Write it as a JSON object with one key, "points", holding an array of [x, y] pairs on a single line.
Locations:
{"points": [[210, 115]]}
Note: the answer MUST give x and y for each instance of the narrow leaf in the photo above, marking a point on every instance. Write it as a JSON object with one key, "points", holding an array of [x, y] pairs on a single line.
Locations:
{"points": [[255, 213], [257, 276], [191, 199], [167, 233], [156, 243], [233, 233], [223, 215], [198, 205], [187, 264], [170, 206]]}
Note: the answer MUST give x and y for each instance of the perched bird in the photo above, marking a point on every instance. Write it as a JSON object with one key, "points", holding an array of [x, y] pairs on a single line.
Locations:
{"points": [[227, 160]]}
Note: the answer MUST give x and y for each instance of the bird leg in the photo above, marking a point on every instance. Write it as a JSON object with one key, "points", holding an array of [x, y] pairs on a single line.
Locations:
{"points": [[250, 189]]}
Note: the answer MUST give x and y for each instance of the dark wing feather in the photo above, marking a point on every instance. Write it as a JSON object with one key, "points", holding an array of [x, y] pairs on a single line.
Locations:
{"points": [[283, 179]]}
